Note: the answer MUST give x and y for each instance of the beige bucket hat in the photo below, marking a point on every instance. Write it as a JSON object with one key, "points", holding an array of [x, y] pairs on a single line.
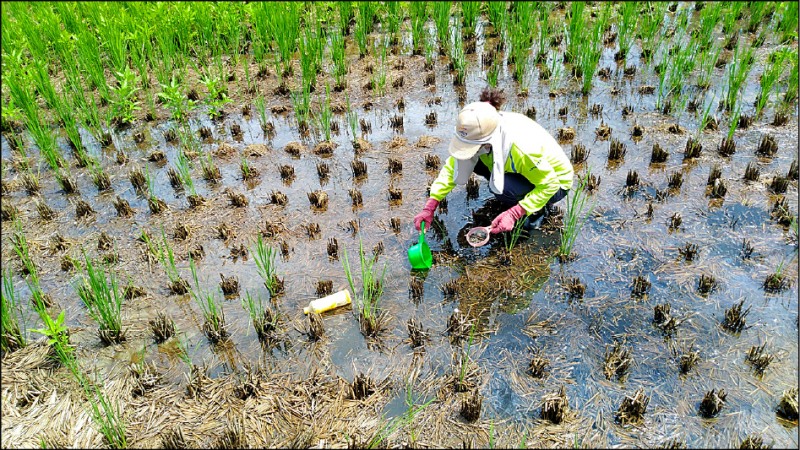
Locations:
{"points": [[474, 127]]}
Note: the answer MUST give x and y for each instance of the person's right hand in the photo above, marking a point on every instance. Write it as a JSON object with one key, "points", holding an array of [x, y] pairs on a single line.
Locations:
{"points": [[426, 215], [507, 219]]}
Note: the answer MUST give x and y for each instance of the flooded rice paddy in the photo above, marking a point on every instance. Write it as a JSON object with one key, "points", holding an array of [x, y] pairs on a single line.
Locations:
{"points": [[527, 304]]}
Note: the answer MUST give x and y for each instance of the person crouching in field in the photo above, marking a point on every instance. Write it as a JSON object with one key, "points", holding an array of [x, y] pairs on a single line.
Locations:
{"points": [[527, 169]]}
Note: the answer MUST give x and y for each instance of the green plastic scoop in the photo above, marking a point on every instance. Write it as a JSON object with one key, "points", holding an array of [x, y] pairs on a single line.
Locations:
{"points": [[419, 255]]}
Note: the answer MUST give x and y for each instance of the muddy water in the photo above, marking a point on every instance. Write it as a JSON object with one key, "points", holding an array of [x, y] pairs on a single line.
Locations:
{"points": [[618, 243]]}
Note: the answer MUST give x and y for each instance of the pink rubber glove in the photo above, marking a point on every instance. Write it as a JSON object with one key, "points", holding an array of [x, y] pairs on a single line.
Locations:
{"points": [[426, 214], [506, 220]]}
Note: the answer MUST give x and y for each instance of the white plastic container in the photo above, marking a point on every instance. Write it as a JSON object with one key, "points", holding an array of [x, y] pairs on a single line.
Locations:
{"points": [[328, 303]]}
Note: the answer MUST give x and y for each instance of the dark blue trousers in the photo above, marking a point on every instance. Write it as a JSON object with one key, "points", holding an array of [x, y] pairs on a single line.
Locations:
{"points": [[515, 188]]}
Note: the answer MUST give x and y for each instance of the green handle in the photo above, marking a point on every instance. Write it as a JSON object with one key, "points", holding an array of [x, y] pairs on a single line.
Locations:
{"points": [[422, 232]]}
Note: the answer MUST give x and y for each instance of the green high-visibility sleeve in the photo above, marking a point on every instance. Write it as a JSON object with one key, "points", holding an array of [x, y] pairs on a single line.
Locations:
{"points": [[542, 175], [444, 182]]}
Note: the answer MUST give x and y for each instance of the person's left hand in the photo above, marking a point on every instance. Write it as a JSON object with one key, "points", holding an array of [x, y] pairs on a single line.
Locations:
{"points": [[506, 220]]}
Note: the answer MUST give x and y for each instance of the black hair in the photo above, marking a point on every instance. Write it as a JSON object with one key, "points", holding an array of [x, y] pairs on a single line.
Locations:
{"points": [[494, 97]]}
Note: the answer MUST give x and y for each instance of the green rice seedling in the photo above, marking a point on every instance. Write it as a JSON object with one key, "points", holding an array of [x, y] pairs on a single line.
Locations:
{"points": [[325, 115], [99, 176], [211, 172], [792, 80], [575, 216], [461, 382], [379, 73], [511, 241], [679, 107], [493, 73], [346, 13], [72, 75], [264, 256], [651, 21], [787, 25], [470, 13], [369, 296], [149, 181], [106, 414], [20, 244], [369, 12], [183, 348], [250, 86], [153, 248], [575, 31], [441, 17], [591, 50], [248, 172], [363, 28], [705, 117], [418, 14], [682, 66], [757, 11], [141, 51], [261, 108], [284, 18], [352, 119], [112, 34], [520, 27], [626, 28], [150, 97], [29, 33], [544, 32], [88, 56], [183, 169], [777, 281], [301, 103], [40, 132], [206, 33], [556, 71], [430, 49], [102, 297], [772, 72], [41, 80], [394, 18], [165, 57], [730, 17], [339, 60], [497, 12], [706, 66], [213, 314], [662, 91], [310, 49], [403, 421], [458, 58], [232, 17], [167, 258], [264, 318], [738, 69], [67, 116], [88, 112], [709, 17], [734, 123], [12, 336]]}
